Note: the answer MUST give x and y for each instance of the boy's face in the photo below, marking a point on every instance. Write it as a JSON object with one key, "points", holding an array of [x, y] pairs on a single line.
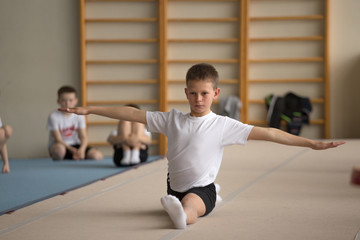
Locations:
{"points": [[67, 100], [200, 95]]}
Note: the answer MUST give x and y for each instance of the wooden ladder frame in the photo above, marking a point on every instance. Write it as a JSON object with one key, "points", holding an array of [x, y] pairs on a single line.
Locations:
{"points": [[242, 83]]}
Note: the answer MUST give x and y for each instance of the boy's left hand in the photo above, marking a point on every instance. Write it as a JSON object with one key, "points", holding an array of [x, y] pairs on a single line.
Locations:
{"points": [[327, 145]]}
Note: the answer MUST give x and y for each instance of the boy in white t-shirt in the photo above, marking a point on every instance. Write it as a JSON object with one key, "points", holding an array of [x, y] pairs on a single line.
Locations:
{"points": [[68, 137], [5, 134], [196, 142]]}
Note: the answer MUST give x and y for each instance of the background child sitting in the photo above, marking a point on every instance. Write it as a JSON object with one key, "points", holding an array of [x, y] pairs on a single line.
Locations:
{"points": [[130, 142], [68, 137], [5, 134]]}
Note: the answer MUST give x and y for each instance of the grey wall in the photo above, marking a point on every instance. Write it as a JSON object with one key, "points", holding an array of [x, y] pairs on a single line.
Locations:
{"points": [[39, 52], [345, 68]]}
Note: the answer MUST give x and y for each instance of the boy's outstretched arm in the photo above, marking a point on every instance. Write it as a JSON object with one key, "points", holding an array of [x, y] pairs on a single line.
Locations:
{"points": [[122, 113], [278, 136]]}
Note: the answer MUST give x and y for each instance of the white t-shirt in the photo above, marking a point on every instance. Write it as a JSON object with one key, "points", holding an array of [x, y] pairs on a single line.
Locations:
{"points": [[0, 123], [68, 125], [195, 145]]}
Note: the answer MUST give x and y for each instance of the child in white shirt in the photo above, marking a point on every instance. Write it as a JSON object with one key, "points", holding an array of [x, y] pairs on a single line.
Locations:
{"points": [[196, 142]]}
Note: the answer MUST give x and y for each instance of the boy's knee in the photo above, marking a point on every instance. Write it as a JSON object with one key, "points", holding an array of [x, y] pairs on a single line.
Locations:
{"points": [[124, 124], [5, 133], [8, 131], [98, 156], [193, 203], [57, 151], [95, 154]]}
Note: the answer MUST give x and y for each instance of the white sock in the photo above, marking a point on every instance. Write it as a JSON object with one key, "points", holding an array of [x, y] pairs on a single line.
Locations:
{"points": [[135, 157], [217, 187], [126, 157], [173, 207]]}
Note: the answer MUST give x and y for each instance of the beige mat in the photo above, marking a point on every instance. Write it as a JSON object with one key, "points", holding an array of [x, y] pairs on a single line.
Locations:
{"points": [[269, 192]]}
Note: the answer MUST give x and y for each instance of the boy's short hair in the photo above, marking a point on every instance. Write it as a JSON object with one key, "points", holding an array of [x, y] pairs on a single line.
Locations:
{"points": [[65, 89], [203, 71]]}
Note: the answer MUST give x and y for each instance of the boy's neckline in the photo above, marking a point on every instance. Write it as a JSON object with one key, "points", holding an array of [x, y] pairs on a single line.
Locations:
{"points": [[195, 117], [66, 114]]}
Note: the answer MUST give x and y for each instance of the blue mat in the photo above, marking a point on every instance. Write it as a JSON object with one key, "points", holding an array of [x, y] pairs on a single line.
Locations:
{"points": [[33, 180]]}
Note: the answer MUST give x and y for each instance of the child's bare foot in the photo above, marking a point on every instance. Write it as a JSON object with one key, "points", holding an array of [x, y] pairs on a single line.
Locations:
{"points": [[173, 207]]}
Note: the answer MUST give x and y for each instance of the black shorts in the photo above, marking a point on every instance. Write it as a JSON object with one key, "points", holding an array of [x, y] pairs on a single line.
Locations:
{"points": [[119, 153], [69, 155], [207, 194]]}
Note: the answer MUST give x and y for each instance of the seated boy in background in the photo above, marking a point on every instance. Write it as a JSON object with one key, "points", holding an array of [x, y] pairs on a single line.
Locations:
{"points": [[130, 141], [5, 134], [68, 137]]}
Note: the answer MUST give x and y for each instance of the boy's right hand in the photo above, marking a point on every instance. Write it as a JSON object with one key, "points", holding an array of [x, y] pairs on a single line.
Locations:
{"points": [[75, 153], [6, 168], [76, 110]]}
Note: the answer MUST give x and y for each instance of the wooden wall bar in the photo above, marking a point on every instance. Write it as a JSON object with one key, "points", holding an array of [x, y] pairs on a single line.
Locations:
{"points": [[139, 51]]}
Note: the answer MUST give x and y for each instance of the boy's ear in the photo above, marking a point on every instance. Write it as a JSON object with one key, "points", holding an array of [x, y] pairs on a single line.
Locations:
{"points": [[186, 93], [217, 92]]}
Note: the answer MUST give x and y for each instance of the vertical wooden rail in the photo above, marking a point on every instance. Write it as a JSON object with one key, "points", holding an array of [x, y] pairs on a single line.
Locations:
{"points": [[245, 60], [326, 72], [163, 81], [83, 54], [242, 66], [241, 49]]}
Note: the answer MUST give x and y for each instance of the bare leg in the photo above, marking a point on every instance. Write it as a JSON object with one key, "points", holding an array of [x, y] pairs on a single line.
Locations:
{"points": [[124, 131], [136, 130], [93, 153], [4, 156], [2, 137], [194, 207], [57, 151], [5, 134]]}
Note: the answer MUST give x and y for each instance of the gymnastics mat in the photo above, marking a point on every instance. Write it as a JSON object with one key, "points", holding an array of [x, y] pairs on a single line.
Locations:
{"points": [[34, 180]]}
